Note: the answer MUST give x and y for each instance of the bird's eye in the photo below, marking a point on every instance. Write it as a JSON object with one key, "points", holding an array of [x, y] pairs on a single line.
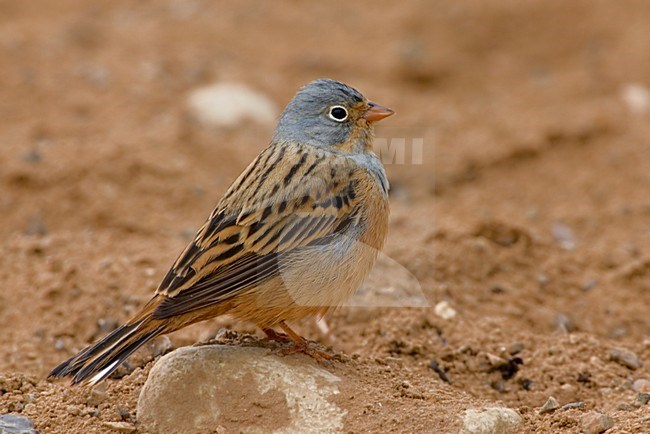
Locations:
{"points": [[338, 113]]}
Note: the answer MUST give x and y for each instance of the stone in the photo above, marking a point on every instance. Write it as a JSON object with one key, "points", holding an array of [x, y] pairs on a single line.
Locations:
{"points": [[16, 424], [641, 385], [569, 406], [242, 389], [444, 310], [596, 423], [625, 358], [227, 105], [494, 420], [119, 426], [636, 97], [549, 406], [563, 236], [96, 396], [642, 398], [159, 346]]}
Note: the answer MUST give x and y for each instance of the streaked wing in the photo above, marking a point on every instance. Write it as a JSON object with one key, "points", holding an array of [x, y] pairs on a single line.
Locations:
{"points": [[286, 199]]}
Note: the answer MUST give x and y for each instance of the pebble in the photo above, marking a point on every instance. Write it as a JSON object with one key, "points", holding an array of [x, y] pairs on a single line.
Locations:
{"points": [[444, 310], [515, 348], [571, 405], [119, 426], [160, 346], [16, 424], [495, 420], [226, 105], [549, 406], [96, 396], [643, 398], [625, 358], [36, 227], [641, 385], [564, 323], [624, 406], [59, 344], [564, 236], [636, 97], [589, 284], [124, 414], [596, 423]]}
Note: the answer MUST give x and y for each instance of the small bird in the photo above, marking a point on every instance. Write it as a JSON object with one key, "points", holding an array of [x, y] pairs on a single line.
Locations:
{"points": [[293, 236]]}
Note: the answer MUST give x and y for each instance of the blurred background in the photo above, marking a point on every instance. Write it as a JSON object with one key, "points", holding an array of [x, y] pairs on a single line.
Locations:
{"points": [[123, 122]]}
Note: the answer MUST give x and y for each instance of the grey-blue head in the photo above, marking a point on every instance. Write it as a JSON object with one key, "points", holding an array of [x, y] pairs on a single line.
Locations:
{"points": [[327, 113]]}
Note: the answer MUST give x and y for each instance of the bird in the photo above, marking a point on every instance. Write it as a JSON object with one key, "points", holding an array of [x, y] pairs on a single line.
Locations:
{"points": [[293, 236]]}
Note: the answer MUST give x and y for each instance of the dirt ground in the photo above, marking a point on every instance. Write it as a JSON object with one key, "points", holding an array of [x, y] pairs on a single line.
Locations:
{"points": [[529, 214]]}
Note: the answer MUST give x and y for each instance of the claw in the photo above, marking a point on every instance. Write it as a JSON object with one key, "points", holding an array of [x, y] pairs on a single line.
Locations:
{"points": [[300, 344], [272, 335], [304, 348]]}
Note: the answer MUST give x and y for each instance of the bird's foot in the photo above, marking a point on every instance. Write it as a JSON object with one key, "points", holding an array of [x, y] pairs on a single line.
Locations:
{"points": [[272, 335], [304, 348], [300, 344]]}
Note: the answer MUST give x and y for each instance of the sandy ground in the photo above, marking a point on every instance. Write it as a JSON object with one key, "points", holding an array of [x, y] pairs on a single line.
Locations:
{"points": [[529, 214]]}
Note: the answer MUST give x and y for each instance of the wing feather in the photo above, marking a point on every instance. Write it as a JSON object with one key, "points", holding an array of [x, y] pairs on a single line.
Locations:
{"points": [[243, 242]]}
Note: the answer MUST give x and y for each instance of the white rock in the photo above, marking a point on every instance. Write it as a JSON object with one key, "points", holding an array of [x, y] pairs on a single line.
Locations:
{"points": [[495, 420], [229, 104], [240, 389], [444, 310], [636, 97]]}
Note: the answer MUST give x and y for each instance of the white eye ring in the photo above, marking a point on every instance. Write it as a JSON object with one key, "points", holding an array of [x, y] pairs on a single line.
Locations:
{"points": [[338, 108]]}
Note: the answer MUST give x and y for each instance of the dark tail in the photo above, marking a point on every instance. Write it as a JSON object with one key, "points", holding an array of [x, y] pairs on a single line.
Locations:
{"points": [[98, 361]]}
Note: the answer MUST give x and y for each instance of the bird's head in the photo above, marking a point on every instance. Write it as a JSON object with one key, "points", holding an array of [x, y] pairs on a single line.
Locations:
{"points": [[332, 115]]}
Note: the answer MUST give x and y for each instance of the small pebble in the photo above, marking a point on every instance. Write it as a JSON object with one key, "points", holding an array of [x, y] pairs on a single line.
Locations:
{"points": [[564, 323], [624, 406], [571, 405], [96, 396], [641, 385], [59, 344], [16, 424], [36, 227], [230, 104], [589, 284], [160, 346], [444, 310], [636, 97], [495, 361], [32, 156], [491, 420], [119, 426], [516, 348], [596, 423], [543, 279], [643, 398], [564, 236], [124, 414], [549, 406], [625, 358], [73, 410]]}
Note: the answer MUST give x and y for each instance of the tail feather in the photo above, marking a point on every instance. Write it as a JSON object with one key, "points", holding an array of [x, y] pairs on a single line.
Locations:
{"points": [[104, 364], [75, 363], [99, 360]]}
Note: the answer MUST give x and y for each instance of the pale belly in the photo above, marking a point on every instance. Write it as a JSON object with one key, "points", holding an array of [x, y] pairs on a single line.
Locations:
{"points": [[314, 279]]}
